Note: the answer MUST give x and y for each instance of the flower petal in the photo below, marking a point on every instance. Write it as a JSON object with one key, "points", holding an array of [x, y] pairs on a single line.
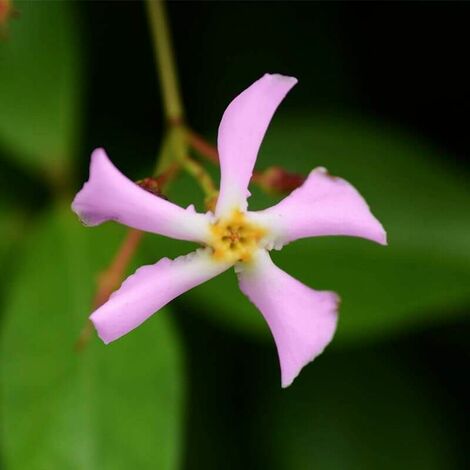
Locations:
{"points": [[323, 205], [302, 320], [241, 132], [149, 289], [109, 195]]}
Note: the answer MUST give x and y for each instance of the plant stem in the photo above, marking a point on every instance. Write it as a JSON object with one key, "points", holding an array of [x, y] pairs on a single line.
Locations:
{"points": [[109, 280], [174, 147], [165, 158], [165, 62], [199, 173], [271, 180], [202, 146]]}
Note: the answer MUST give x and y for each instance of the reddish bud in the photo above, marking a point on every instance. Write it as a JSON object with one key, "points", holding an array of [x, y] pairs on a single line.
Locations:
{"points": [[152, 185], [6, 12], [278, 180]]}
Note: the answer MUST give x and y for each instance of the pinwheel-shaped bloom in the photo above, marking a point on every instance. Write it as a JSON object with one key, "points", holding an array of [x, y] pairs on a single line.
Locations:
{"points": [[301, 319]]}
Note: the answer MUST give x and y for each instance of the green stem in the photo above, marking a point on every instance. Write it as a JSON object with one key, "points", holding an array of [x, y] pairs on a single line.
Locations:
{"points": [[165, 155], [164, 60], [198, 172]]}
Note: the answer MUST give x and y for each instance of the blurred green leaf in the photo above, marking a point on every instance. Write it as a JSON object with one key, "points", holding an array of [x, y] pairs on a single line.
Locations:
{"points": [[422, 276], [10, 223], [363, 411], [107, 407], [40, 86]]}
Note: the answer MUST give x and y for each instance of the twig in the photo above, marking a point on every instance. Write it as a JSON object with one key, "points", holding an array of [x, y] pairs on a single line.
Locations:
{"points": [[112, 276], [203, 147], [165, 62], [199, 173], [110, 279], [273, 179]]}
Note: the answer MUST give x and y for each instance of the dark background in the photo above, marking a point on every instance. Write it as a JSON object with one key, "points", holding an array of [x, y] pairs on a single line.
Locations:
{"points": [[403, 62]]}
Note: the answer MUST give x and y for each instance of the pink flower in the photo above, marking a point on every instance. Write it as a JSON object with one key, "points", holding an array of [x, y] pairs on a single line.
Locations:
{"points": [[301, 319]]}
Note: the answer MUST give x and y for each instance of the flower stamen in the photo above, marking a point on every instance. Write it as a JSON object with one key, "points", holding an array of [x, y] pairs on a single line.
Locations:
{"points": [[234, 239]]}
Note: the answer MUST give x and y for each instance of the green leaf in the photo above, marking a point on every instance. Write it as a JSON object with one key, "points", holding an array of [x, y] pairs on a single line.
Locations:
{"points": [[107, 407], [40, 86], [357, 410], [421, 277], [10, 225]]}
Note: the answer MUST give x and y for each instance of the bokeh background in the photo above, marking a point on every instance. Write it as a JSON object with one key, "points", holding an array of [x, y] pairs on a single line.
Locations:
{"points": [[382, 100]]}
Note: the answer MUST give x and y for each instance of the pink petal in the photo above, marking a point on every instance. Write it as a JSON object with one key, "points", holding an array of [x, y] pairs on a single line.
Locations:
{"points": [[149, 289], [241, 132], [302, 320], [323, 205], [109, 195]]}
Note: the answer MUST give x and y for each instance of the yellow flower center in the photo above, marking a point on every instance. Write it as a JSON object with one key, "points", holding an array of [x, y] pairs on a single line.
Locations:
{"points": [[234, 238]]}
